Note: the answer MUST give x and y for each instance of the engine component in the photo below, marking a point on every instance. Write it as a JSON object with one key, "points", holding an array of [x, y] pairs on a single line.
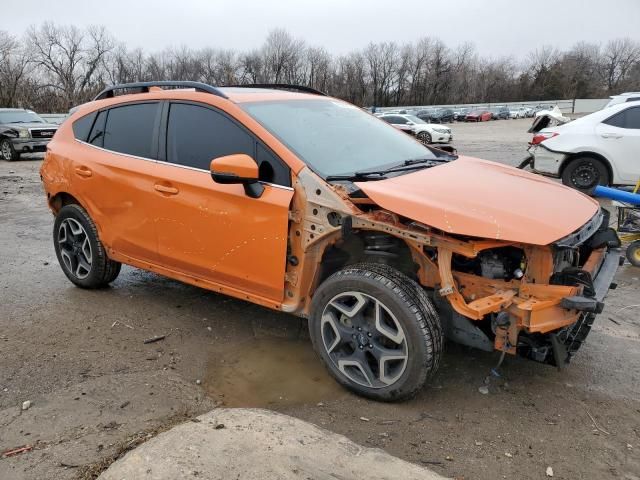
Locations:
{"points": [[492, 266]]}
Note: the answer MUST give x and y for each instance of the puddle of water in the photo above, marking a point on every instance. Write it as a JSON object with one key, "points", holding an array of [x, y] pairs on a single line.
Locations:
{"points": [[268, 372]]}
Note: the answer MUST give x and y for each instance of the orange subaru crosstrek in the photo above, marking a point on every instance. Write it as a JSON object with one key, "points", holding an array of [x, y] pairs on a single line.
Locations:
{"points": [[306, 204]]}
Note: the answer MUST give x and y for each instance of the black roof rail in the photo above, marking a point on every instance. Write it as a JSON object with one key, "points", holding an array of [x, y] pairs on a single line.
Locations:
{"points": [[144, 87], [280, 86]]}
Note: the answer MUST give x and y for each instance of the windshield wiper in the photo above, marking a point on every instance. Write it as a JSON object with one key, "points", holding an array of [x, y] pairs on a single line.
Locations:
{"points": [[381, 174], [415, 161]]}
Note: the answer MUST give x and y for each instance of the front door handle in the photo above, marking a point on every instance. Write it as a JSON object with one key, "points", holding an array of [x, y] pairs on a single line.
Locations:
{"points": [[165, 189], [83, 172], [611, 135]]}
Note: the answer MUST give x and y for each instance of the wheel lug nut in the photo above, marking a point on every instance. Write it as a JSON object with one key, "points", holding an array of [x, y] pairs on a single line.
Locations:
{"points": [[361, 347], [370, 346], [359, 329], [369, 334]]}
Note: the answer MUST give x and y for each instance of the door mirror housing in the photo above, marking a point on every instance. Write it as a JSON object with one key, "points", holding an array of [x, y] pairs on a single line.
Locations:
{"points": [[237, 168]]}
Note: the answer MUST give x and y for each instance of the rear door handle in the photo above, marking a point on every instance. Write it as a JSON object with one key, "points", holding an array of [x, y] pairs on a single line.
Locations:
{"points": [[165, 189], [611, 135], [83, 172]]}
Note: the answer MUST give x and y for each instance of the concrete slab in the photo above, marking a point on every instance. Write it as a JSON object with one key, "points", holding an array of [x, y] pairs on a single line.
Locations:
{"points": [[252, 444]]}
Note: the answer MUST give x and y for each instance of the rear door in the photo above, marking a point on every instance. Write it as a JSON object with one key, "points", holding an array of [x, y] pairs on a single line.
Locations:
{"points": [[114, 174], [619, 136], [213, 231]]}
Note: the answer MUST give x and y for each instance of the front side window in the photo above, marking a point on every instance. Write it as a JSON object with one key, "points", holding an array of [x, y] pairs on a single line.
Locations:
{"points": [[198, 134], [629, 118], [333, 137], [130, 129]]}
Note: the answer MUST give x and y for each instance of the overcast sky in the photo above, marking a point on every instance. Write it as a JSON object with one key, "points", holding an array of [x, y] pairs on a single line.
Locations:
{"points": [[497, 27]]}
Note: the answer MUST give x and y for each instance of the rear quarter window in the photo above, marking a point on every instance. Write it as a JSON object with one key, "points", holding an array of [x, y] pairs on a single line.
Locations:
{"points": [[82, 126], [629, 118]]}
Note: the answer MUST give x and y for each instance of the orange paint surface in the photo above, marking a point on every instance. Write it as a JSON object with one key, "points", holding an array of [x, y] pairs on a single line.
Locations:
{"points": [[485, 199]]}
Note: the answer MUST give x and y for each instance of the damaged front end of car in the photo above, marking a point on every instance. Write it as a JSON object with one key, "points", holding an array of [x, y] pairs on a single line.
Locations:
{"points": [[535, 301]]}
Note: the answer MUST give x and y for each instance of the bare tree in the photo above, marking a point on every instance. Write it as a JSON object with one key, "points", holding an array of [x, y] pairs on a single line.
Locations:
{"points": [[14, 62], [55, 67], [619, 58], [70, 60]]}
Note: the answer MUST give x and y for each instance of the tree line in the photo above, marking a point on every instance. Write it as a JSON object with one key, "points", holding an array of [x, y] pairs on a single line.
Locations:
{"points": [[52, 68]]}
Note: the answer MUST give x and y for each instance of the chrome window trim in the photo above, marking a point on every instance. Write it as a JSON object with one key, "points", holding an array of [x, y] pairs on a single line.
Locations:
{"points": [[172, 164]]}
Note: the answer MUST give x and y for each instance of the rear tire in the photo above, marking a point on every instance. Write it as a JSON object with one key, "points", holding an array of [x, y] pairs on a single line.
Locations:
{"points": [[585, 173], [633, 253], [376, 332], [80, 252], [7, 152]]}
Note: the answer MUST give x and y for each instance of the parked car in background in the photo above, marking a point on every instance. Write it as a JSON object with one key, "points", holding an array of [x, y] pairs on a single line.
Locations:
{"points": [[541, 108], [478, 116], [459, 114], [400, 122], [623, 98], [598, 149], [427, 133], [528, 112], [514, 112], [436, 115], [499, 112], [23, 131]]}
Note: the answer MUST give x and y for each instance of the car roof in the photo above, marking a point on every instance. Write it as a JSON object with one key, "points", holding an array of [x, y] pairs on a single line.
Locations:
{"points": [[242, 94]]}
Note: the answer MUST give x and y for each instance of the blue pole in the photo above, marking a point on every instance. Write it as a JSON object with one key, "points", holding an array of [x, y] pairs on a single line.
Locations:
{"points": [[615, 194]]}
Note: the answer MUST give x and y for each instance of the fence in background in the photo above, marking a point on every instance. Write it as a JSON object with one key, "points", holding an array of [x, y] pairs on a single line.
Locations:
{"points": [[577, 106]]}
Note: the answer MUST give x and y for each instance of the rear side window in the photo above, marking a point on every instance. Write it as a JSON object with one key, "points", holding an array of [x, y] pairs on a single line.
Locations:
{"points": [[396, 120], [633, 99], [82, 126], [629, 118], [130, 129]]}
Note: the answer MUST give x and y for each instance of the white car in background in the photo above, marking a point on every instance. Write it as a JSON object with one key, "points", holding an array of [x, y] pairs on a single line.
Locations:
{"points": [[515, 112], [623, 98], [602, 148], [427, 133]]}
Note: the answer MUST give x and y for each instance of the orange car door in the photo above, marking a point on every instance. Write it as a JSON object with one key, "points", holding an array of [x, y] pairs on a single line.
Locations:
{"points": [[115, 173], [212, 231]]}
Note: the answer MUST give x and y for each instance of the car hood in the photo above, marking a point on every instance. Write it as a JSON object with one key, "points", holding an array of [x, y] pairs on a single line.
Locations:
{"points": [[485, 199]]}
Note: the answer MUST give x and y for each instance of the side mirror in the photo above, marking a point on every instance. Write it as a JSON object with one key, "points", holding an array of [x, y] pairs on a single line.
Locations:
{"points": [[409, 123], [238, 168]]}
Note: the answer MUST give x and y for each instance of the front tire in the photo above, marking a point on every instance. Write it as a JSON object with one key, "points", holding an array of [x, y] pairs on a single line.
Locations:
{"points": [[424, 138], [376, 331], [7, 151], [585, 173], [80, 252]]}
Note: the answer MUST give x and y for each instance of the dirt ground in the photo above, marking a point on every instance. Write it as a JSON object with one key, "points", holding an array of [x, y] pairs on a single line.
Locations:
{"points": [[96, 389]]}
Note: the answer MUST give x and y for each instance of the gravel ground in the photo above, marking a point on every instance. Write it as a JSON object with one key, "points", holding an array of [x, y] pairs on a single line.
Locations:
{"points": [[96, 389]]}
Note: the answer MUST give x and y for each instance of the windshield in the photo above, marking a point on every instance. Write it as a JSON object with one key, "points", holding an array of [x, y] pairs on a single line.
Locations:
{"points": [[20, 116], [333, 137]]}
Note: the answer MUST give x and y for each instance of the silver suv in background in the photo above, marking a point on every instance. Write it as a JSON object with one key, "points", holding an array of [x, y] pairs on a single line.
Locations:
{"points": [[23, 131]]}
